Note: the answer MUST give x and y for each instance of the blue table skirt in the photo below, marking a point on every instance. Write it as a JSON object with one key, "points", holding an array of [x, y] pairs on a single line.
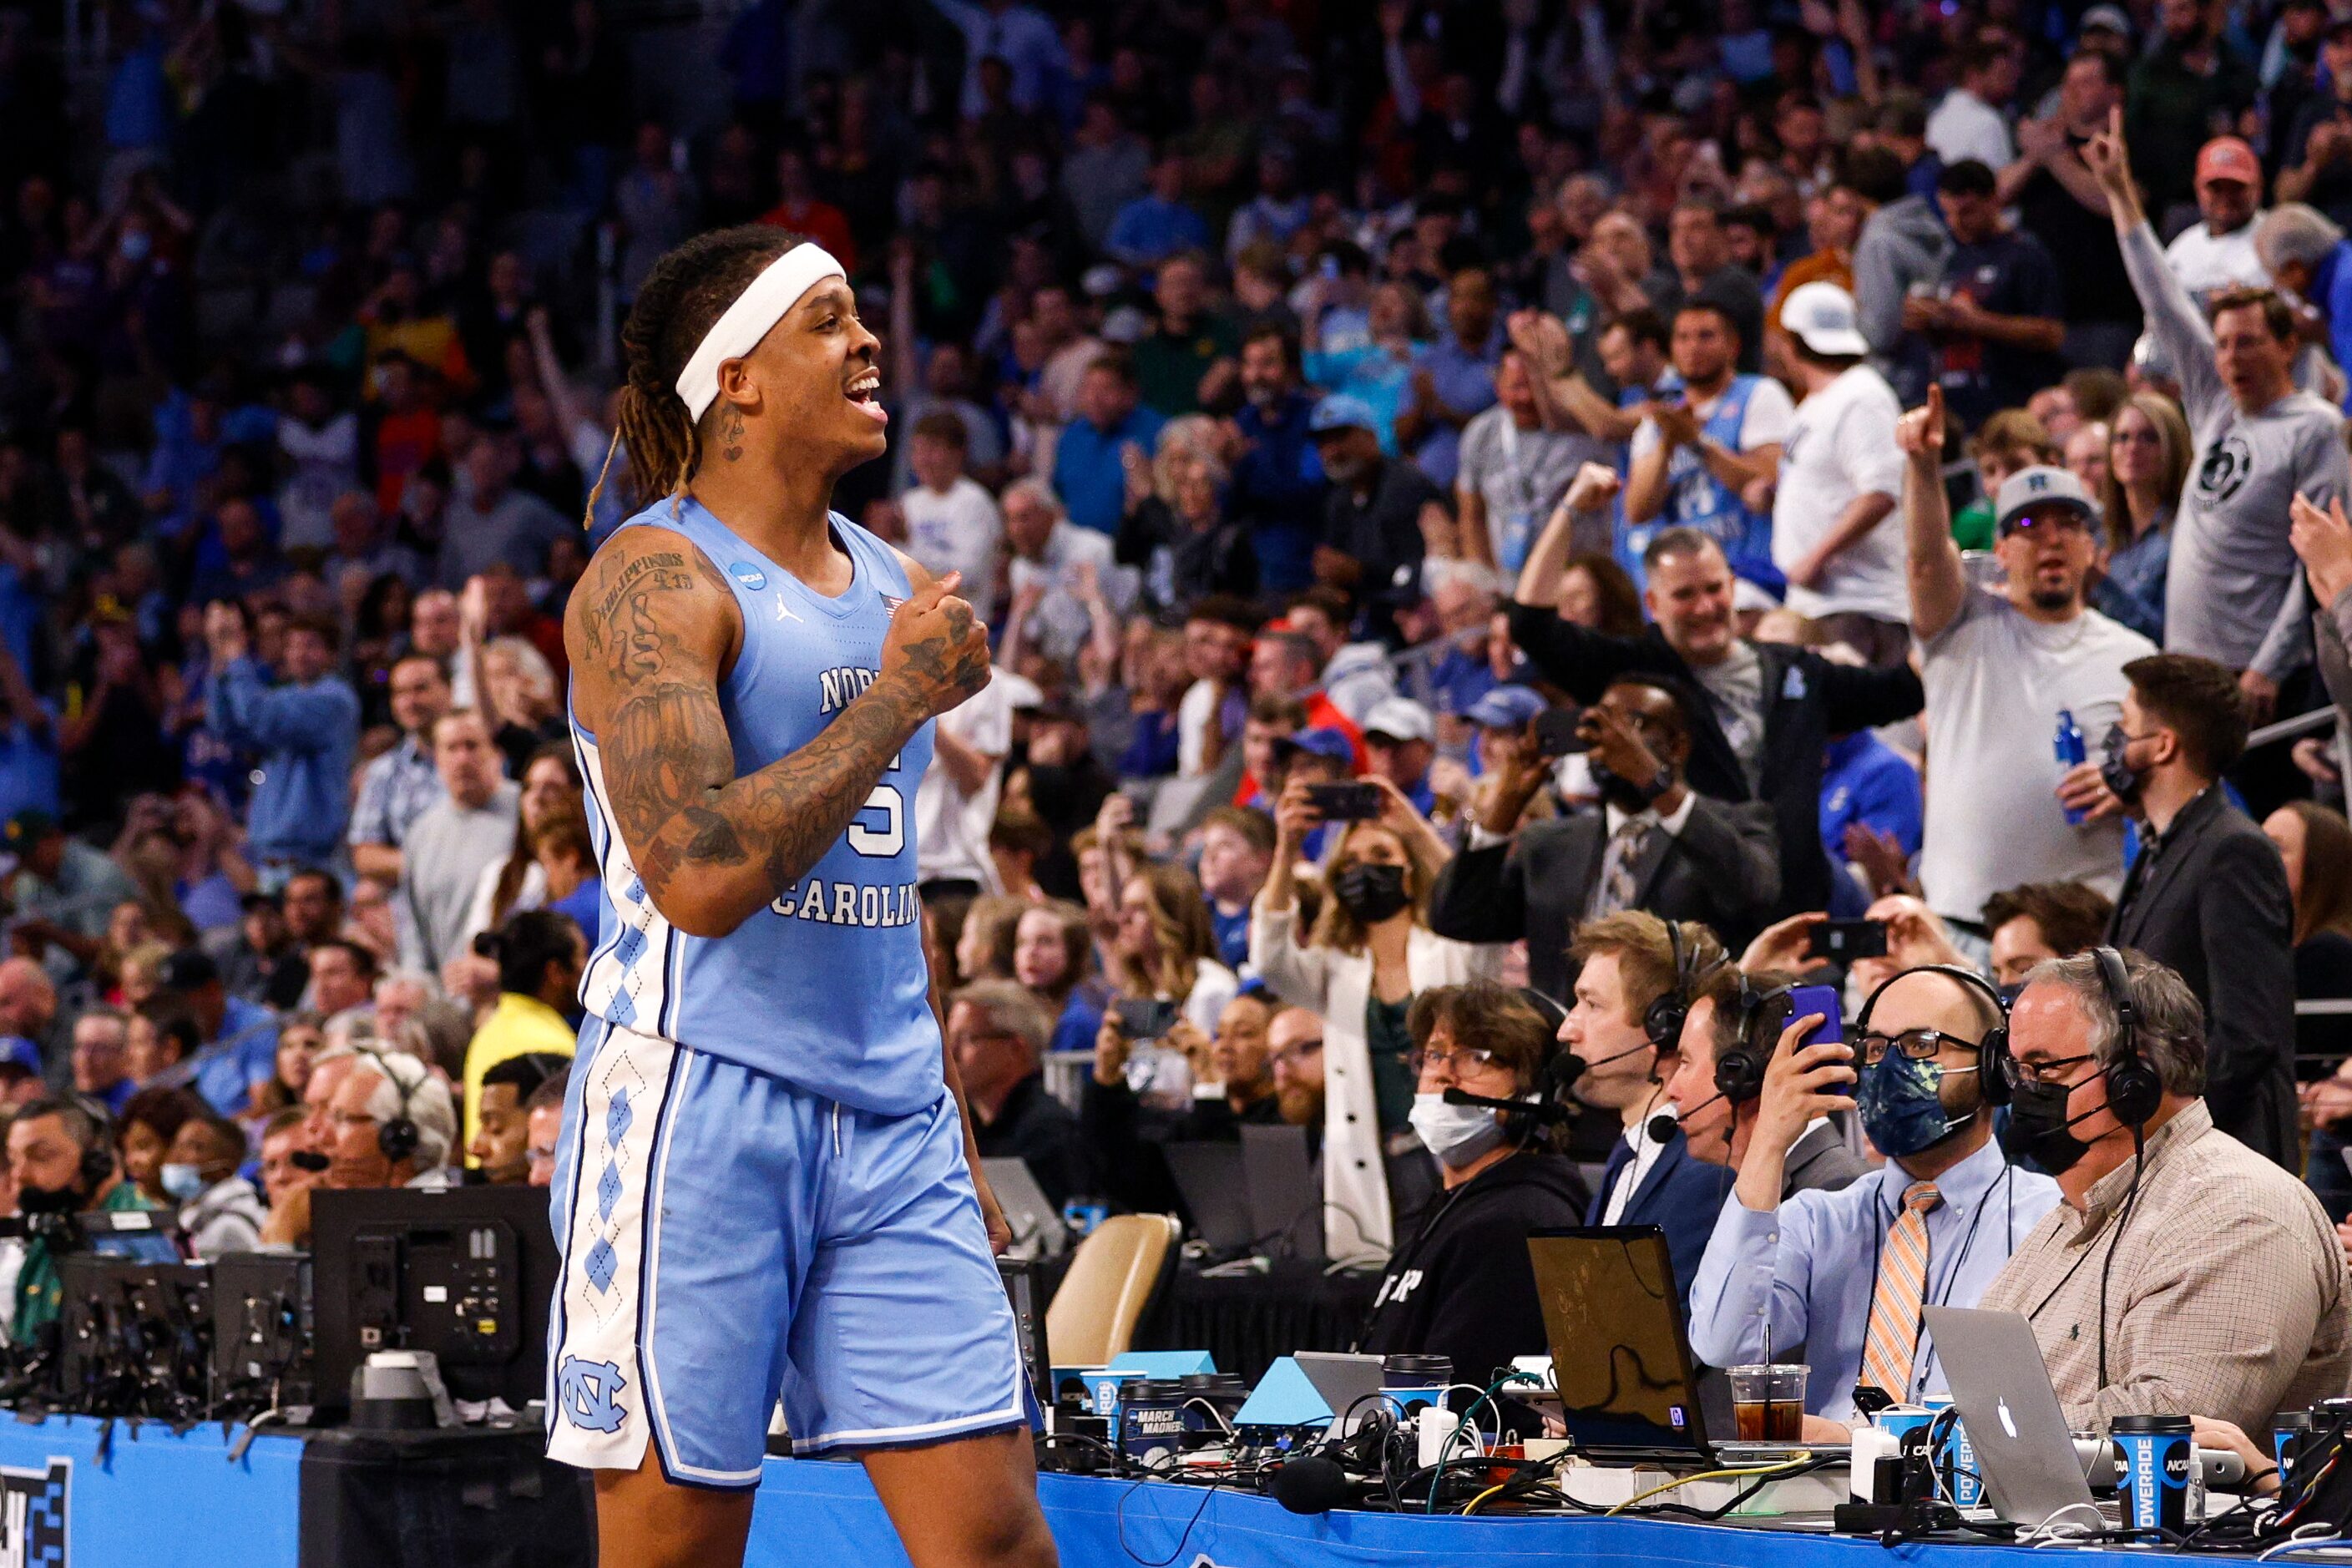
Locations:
{"points": [[156, 1501], [145, 1499], [824, 1512]]}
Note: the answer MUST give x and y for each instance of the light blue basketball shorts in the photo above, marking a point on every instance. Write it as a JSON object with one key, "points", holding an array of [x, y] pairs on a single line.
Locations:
{"points": [[729, 1239]]}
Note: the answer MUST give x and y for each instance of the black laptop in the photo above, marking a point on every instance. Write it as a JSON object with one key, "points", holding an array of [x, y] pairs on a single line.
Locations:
{"points": [[1612, 1312]]}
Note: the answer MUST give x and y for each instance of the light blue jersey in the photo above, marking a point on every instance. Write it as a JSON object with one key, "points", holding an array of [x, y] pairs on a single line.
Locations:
{"points": [[824, 989]]}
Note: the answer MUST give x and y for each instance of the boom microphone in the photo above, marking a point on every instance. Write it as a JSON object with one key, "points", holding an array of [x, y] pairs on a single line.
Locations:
{"points": [[307, 1160], [1666, 1123], [1543, 1110]]}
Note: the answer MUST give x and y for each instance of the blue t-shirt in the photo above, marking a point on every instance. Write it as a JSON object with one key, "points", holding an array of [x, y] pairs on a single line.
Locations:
{"points": [[1090, 476]]}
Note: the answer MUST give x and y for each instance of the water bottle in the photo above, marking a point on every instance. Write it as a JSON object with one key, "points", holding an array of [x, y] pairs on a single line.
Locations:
{"points": [[2071, 754]]}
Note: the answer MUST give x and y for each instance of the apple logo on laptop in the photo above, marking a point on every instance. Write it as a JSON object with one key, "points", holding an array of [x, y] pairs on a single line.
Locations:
{"points": [[2008, 1424]]}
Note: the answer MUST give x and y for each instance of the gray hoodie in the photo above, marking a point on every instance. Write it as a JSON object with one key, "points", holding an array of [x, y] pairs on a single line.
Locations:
{"points": [[1902, 243]]}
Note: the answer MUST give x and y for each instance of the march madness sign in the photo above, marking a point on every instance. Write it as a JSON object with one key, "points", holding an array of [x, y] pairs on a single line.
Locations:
{"points": [[33, 1515]]}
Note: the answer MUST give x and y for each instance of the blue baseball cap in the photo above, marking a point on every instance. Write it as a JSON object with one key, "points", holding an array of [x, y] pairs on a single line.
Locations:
{"points": [[1323, 740], [1342, 411], [1506, 708]]}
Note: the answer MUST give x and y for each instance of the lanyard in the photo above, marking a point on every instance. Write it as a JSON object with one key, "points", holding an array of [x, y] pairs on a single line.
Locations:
{"points": [[1887, 1217]]}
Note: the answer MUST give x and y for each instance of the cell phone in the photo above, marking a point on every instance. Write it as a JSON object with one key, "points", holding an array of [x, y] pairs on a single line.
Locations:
{"points": [[1145, 1017], [1345, 802], [1842, 941], [1806, 1000], [1556, 733]]}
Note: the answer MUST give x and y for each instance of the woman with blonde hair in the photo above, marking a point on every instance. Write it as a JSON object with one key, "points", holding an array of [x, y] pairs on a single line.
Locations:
{"points": [[1369, 953], [1175, 530], [2149, 452]]}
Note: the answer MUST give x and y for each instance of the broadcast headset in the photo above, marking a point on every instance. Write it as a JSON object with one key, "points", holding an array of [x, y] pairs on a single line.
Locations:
{"points": [[1740, 1071], [1996, 1072], [397, 1138], [1663, 1022]]}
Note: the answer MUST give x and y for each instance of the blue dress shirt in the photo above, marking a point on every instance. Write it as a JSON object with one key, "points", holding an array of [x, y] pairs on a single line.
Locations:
{"points": [[1811, 1265]]}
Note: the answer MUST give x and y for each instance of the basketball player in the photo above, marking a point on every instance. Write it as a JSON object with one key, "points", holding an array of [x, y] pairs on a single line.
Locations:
{"points": [[766, 1186]]}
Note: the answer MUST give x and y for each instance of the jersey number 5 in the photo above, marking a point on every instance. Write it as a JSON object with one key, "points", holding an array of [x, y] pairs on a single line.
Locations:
{"points": [[891, 838]]}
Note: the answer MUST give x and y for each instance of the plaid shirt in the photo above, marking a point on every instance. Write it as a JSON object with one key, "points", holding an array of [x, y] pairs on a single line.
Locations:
{"points": [[393, 792], [2227, 1296]]}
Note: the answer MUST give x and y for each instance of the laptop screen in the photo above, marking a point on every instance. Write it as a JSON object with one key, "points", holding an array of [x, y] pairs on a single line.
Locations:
{"points": [[1614, 1316]]}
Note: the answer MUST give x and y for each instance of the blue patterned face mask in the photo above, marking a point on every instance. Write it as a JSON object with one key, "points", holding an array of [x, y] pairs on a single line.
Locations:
{"points": [[1902, 1105]]}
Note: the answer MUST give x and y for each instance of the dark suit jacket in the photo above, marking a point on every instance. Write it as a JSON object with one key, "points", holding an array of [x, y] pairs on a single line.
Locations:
{"points": [[1820, 1162], [2210, 899], [1806, 701], [1722, 868], [1681, 1195]]}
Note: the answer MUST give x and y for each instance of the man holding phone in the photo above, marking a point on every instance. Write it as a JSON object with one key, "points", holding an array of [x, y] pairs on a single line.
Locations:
{"points": [[1764, 729], [1846, 1273], [1656, 844], [1743, 1013]]}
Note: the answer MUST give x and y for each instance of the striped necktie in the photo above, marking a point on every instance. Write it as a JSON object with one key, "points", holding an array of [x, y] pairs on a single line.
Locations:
{"points": [[1894, 1337]]}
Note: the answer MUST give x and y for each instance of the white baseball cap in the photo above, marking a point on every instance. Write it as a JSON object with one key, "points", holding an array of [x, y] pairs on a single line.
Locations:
{"points": [[1400, 719], [1821, 316]]}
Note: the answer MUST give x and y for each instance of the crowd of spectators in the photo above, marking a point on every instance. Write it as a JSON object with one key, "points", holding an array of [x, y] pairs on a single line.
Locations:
{"points": [[1500, 408]]}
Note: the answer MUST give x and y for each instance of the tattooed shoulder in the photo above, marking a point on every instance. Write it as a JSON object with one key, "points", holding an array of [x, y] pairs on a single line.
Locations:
{"points": [[635, 608]]}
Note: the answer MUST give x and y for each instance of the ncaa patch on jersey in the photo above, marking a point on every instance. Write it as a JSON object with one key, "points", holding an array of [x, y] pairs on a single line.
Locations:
{"points": [[750, 576]]}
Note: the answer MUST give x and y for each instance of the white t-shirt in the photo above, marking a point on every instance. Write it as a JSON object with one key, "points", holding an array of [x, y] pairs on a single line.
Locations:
{"points": [[956, 530], [1841, 445], [1965, 126], [1996, 682], [2206, 265], [950, 826]]}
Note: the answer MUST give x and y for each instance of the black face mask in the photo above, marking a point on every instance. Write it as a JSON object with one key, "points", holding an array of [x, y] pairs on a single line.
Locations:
{"points": [[2040, 1128], [1619, 790], [1370, 893], [48, 1200], [2115, 771]]}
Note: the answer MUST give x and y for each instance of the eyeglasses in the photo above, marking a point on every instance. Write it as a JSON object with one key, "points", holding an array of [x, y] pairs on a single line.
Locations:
{"points": [[1918, 1045], [2047, 520], [1299, 1052], [1457, 1060], [2051, 1072]]}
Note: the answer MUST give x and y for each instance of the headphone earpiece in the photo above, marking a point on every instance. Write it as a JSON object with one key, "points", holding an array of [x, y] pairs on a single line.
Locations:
{"points": [[397, 1138], [98, 1166], [1740, 1071], [1663, 1021], [2135, 1088]]}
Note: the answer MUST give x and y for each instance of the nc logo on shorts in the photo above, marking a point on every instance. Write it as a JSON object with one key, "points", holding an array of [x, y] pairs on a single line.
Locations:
{"points": [[586, 1389], [750, 576]]}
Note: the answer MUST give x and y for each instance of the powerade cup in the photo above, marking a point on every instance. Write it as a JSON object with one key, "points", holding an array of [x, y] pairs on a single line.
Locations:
{"points": [[2071, 754], [2289, 1432], [2156, 1456], [1954, 1455]]}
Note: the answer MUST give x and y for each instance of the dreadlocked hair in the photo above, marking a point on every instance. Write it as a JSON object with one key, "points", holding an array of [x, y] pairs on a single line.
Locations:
{"points": [[679, 301]]}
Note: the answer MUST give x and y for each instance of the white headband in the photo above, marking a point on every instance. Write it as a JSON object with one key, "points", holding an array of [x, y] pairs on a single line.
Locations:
{"points": [[746, 322]]}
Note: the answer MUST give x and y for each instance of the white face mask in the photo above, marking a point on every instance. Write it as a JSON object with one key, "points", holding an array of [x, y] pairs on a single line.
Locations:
{"points": [[1456, 1134]]}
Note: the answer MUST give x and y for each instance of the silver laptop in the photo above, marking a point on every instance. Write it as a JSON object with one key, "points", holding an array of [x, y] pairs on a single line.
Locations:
{"points": [[2015, 1424], [1346, 1382], [1037, 1228]]}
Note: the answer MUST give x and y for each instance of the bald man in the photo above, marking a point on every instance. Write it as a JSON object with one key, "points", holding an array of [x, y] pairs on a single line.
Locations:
{"points": [[1819, 1262], [28, 1002]]}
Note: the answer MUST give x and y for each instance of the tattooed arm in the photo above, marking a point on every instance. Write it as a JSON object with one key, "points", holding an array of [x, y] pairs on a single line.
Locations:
{"points": [[650, 631]]}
